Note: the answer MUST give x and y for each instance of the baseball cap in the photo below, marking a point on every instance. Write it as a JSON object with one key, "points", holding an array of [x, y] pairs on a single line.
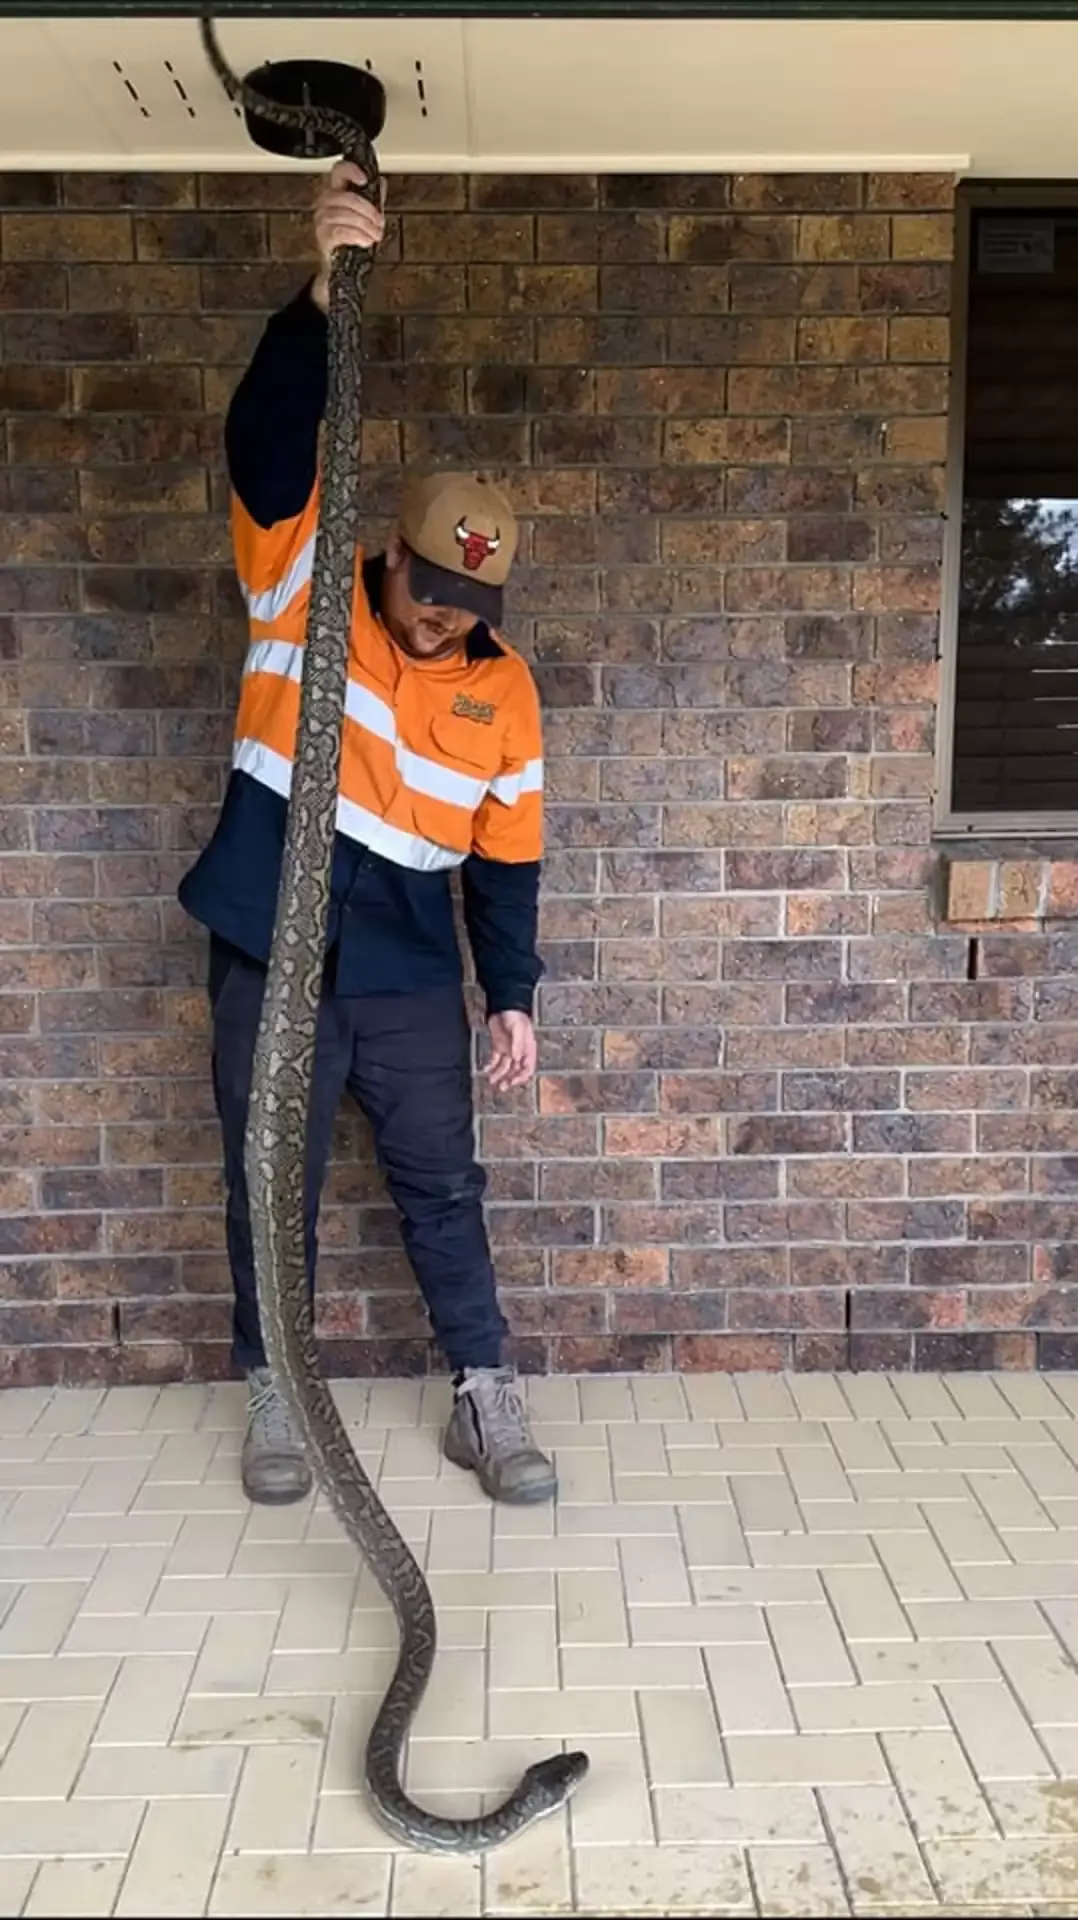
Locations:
{"points": [[462, 536]]}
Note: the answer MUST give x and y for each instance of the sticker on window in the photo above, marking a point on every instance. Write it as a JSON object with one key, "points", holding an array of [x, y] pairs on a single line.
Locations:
{"points": [[1017, 245]]}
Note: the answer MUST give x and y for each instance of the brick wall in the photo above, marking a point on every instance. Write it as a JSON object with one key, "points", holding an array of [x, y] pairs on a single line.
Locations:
{"points": [[785, 1117]]}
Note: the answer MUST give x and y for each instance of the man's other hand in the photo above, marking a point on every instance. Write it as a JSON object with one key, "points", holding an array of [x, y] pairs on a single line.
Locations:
{"points": [[515, 1051]]}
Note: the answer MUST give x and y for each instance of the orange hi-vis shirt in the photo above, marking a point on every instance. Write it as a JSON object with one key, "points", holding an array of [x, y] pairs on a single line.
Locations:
{"points": [[439, 759]]}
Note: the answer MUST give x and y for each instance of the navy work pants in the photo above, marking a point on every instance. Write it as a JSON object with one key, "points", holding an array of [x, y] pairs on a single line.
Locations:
{"points": [[406, 1058]]}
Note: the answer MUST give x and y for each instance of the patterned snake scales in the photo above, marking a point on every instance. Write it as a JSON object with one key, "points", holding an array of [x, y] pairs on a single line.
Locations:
{"points": [[284, 1059]]}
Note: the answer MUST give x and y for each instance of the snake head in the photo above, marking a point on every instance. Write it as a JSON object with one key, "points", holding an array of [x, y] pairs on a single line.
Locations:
{"points": [[555, 1779]]}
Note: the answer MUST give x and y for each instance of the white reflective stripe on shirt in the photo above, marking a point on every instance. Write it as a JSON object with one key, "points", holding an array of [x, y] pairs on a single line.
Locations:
{"points": [[508, 787], [278, 657], [392, 843], [367, 710], [272, 601]]}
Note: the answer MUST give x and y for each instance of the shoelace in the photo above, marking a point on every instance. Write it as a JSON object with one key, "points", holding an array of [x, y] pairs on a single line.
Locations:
{"points": [[501, 1411], [266, 1407]]}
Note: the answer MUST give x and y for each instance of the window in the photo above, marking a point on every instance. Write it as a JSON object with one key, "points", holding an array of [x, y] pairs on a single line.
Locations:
{"points": [[1009, 723]]}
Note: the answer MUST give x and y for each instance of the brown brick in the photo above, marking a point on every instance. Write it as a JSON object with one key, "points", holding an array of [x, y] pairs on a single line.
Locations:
{"points": [[839, 236], [842, 341], [66, 236]]}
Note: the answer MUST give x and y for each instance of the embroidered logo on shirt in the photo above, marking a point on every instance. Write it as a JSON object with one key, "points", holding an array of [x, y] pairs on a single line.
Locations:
{"points": [[466, 708]]}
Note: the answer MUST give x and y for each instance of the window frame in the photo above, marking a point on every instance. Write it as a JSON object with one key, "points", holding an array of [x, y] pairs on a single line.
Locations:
{"points": [[1027, 196]]}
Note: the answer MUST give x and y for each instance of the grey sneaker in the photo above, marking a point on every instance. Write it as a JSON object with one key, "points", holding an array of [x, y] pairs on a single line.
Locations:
{"points": [[272, 1465], [488, 1432]]}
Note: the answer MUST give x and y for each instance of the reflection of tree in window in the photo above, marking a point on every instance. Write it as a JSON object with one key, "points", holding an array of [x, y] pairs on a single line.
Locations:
{"points": [[1016, 731]]}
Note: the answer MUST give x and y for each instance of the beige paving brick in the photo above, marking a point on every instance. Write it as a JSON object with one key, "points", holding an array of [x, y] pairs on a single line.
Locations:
{"points": [[531, 1874], [871, 1396], [866, 1604], [174, 1860], [275, 1800], [713, 1537], [57, 1829], [765, 1505], [71, 1887], [301, 1884], [236, 1653], [316, 1615], [1044, 1680], [748, 1689], [798, 1879], [460, 1542], [1026, 1808], [40, 1618], [985, 1872], [713, 1396], [590, 1609], [794, 1759], [810, 1648], [916, 1568], [488, 1768], [81, 1678], [816, 1473], [561, 1716], [666, 1880], [869, 1709], [701, 1626], [605, 1399], [158, 1773], [46, 1564], [681, 1739], [523, 1651], [941, 1795], [613, 1806], [564, 1553], [505, 1589], [736, 1816], [553, 1397], [122, 1634], [624, 1522], [145, 1702], [207, 1543], [863, 1446], [815, 1550], [227, 1720], [654, 1572], [966, 1537], [229, 1595], [929, 1660], [638, 1450], [758, 1586], [978, 1620], [1035, 1582], [638, 1667], [433, 1888], [44, 1758], [999, 1741], [876, 1846], [1047, 1470]]}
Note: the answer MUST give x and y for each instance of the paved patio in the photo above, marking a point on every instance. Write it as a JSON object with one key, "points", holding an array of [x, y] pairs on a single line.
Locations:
{"points": [[818, 1634]]}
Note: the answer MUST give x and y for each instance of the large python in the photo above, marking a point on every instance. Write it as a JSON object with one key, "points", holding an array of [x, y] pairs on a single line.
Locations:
{"points": [[284, 1061]]}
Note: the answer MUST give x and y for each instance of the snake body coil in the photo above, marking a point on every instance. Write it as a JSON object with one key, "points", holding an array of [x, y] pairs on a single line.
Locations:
{"points": [[284, 1062]]}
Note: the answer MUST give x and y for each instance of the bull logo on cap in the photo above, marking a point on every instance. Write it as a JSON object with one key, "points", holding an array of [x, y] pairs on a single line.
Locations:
{"points": [[476, 547]]}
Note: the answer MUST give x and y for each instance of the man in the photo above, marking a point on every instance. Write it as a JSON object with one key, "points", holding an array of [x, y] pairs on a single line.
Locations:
{"points": [[441, 770]]}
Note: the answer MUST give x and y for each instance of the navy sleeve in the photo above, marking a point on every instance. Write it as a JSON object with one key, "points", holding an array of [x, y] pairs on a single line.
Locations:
{"points": [[271, 428], [501, 913]]}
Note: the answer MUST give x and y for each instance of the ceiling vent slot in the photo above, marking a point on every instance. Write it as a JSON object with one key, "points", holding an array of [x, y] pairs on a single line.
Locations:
{"points": [[131, 89]]}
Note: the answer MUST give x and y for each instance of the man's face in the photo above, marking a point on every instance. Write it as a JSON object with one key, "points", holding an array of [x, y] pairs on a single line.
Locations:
{"points": [[421, 632]]}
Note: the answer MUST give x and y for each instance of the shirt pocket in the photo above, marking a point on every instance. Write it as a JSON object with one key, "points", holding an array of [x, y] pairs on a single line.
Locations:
{"points": [[447, 783], [466, 744]]}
